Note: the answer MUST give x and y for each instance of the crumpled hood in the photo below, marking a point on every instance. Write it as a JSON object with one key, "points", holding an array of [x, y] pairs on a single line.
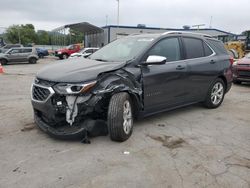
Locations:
{"points": [[76, 70]]}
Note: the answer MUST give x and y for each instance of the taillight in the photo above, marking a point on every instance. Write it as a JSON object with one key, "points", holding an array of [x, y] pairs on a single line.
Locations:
{"points": [[231, 60]]}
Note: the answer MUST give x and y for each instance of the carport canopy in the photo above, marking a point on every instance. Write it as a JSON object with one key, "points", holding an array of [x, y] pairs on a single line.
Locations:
{"points": [[83, 27]]}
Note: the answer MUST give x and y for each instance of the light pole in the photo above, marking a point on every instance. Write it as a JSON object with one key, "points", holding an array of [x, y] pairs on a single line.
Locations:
{"points": [[19, 37], [118, 12]]}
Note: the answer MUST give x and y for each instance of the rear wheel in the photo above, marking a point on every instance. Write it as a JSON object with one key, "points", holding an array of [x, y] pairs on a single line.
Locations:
{"points": [[32, 60], [120, 117], [215, 94]]}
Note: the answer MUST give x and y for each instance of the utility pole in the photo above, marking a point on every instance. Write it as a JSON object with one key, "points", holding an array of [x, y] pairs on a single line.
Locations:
{"points": [[118, 12], [210, 24], [19, 36], [106, 20]]}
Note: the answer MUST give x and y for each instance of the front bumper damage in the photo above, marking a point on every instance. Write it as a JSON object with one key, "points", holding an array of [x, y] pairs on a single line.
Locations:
{"points": [[79, 116]]}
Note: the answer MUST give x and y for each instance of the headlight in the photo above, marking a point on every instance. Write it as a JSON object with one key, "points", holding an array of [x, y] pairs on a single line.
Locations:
{"points": [[65, 89], [59, 52], [235, 63]]}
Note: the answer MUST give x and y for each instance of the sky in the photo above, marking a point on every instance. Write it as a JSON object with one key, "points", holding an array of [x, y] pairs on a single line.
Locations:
{"points": [[227, 15]]}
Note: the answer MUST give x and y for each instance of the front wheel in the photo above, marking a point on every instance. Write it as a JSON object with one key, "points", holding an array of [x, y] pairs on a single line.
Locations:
{"points": [[237, 82], [215, 94], [65, 56], [120, 117]]}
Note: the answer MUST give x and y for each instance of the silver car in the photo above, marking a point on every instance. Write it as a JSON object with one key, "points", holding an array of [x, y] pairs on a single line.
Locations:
{"points": [[27, 54]]}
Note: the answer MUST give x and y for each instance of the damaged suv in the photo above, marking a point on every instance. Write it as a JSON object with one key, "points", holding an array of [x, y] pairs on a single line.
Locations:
{"points": [[132, 77]]}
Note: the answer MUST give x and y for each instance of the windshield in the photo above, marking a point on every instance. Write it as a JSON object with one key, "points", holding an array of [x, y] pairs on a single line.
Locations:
{"points": [[70, 47], [122, 49]]}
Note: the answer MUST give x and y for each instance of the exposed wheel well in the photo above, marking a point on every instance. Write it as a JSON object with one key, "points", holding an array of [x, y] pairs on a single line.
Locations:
{"points": [[224, 80]]}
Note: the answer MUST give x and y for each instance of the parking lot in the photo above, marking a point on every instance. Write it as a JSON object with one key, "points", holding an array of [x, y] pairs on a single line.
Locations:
{"points": [[188, 147]]}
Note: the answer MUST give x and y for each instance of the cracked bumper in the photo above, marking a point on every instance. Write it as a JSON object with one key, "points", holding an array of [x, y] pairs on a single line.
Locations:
{"points": [[60, 133]]}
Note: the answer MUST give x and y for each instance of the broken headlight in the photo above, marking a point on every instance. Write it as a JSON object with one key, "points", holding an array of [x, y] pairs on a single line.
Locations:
{"points": [[65, 89]]}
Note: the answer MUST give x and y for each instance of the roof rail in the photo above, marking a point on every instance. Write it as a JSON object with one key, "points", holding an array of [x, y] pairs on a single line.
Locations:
{"points": [[186, 32]]}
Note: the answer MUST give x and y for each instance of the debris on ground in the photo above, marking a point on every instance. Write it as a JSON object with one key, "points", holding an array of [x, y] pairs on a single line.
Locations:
{"points": [[126, 152], [28, 127], [168, 141]]}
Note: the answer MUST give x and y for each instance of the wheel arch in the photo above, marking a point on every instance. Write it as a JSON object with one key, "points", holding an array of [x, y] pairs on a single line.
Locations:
{"points": [[224, 80]]}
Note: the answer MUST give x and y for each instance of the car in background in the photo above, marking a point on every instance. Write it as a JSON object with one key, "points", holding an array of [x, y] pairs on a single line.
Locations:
{"points": [[9, 46], [42, 52], [241, 70], [64, 53], [19, 55], [85, 52], [2, 43]]}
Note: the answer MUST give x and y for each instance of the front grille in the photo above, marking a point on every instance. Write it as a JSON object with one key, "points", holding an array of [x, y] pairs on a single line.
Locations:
{"points": [[244, 73], [40, 93]]}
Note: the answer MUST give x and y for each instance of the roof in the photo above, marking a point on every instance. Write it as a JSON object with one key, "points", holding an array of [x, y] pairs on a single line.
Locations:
{"points": [[208, 31], [83, 27]]}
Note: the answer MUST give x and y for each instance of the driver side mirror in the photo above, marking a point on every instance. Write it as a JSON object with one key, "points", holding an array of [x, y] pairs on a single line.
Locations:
{"points": [[155, 60]]}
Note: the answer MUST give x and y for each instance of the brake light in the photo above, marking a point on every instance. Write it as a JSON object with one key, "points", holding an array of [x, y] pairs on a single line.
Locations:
{"points": [[231, 60]]}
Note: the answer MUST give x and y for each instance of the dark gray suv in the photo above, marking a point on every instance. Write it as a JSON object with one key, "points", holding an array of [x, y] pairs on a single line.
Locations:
{"points": [[132, 77]]}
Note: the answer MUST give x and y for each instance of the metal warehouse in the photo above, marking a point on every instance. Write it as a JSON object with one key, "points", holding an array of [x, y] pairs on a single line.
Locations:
{"points": [[99, 36]]}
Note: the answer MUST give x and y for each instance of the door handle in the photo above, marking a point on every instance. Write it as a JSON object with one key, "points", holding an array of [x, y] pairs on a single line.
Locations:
{"points": [[212, 61], [180, 67]]}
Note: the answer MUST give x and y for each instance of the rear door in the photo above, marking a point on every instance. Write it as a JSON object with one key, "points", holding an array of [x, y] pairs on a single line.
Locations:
{"points": [[14, 55], [164, 85], [202, 67], [25, 54]]}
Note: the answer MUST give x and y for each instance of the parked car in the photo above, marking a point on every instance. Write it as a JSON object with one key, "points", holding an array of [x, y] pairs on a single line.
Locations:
{"points": [[132, 77], [84, 52], [241, 70], [66, 52], [41, 52], [2, 43], [9, 46], [19, 55]]}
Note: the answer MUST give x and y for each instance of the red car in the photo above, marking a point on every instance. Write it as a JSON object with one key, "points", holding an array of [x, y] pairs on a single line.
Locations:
{"points": [[66, 52], [241, 70]]}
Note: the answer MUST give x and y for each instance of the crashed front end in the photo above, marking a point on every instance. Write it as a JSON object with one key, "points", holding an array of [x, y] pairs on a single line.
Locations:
{"points": [[71, 110]]}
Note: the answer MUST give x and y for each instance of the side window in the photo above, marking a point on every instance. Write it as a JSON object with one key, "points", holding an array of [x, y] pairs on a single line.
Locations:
{"points": [[207, 50], [168, 48], [14, 51], [88, 51], [194, 48], [26, 50]]}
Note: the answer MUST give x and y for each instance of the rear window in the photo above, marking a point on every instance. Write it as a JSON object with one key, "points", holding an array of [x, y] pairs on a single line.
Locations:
{"points": [[218, 46], [194, 48], [207, 50]]}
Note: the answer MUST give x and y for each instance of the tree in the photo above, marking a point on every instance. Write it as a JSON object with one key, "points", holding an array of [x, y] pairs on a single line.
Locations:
{"points": [[26, 34], [43, 37]]}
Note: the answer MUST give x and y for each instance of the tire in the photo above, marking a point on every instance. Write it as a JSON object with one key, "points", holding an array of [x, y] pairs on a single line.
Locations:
{"points": [[65, 56], [3, 61], [32, 60], [120, 117], [41, 56], [237, 82], [215, 94]]}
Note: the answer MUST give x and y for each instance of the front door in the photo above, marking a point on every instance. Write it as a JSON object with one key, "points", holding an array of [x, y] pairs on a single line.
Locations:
{"points": [[165, 85]]}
